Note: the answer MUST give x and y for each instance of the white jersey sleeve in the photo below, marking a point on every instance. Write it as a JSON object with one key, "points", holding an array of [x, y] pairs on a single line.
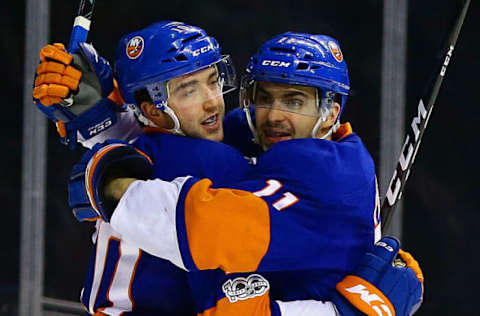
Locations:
{"points": [[307, 308], [145, 216]]}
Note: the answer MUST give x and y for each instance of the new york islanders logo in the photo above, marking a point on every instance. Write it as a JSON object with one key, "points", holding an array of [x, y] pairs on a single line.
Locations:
{"points": [[335, 50], [135, 47]]}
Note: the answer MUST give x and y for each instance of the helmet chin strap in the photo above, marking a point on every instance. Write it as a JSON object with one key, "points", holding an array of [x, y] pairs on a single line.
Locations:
{"points": [[176, 123], [140, 116], [159, 97], [331, 130], [246, 110], [167, 110], [323, 117]]}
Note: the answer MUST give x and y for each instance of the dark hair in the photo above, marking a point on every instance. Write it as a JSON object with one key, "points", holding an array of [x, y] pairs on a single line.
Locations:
{"points": [[337, 98], [142, 96]]}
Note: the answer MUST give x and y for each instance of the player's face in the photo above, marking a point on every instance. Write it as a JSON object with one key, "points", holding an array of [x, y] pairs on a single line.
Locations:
{"points": [[275, 120], [198, 103]]}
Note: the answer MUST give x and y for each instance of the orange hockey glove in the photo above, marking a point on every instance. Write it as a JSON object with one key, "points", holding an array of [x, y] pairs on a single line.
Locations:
{"points": [[76, 91], [56, 78]]}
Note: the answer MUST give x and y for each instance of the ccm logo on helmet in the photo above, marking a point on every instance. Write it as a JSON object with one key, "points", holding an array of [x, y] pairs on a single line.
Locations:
{"points": [[134, 47], [275, 63], [202, 50]]}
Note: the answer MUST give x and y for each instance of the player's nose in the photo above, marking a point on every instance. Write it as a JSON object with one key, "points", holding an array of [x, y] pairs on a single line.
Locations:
{"points": [[212, 100], [275, 115]]}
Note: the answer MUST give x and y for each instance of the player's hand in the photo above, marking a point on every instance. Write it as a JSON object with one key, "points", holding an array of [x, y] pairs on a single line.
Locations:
{"points": [[55, 77], [77, 91], [110, 160], [381, 284]]}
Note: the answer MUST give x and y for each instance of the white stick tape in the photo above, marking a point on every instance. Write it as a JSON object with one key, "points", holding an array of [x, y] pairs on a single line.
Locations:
{"points": [[82, 22]]}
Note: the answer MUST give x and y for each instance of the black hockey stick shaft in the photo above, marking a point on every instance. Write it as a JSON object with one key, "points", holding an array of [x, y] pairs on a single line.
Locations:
{"points": [[81, 24], [418, 126]]}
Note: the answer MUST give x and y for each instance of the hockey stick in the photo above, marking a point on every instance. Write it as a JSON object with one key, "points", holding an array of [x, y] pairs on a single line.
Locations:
{"points": [[81, 25], [419, 124]]}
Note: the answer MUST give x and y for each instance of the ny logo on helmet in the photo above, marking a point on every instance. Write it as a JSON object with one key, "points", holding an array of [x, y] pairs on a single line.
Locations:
{"points": [[335, 50], [275, 63], [135, 47]]}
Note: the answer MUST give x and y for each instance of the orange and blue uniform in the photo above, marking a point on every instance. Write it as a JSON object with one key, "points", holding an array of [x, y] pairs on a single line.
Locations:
{"points": [[123, 279], [302, 234], [322, 175], [300, 218]]}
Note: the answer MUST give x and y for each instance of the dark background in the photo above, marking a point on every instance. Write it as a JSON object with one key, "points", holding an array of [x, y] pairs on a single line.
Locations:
{"points": [[441, 198]]}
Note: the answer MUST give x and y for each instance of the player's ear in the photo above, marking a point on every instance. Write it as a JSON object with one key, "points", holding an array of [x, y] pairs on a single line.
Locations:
{"points": [[160, 118], [149, 109], [334, 112]]}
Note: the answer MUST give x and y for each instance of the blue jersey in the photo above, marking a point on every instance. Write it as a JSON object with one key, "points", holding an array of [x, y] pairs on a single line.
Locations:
{"points": [[121, 278], [300, 219], [318, 199]]}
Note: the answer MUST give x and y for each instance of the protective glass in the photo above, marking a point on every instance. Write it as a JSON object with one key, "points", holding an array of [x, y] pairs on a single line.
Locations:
{"points": [[293, 99], [203, 85]]}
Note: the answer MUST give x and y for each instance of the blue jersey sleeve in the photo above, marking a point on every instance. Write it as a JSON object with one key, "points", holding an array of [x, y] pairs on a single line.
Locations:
{"points": [[174, 156], [313, 208]]}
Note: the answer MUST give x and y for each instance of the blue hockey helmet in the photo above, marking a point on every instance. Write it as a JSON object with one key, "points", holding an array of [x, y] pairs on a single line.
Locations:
{"points": [[299, 59], [147, 59]]}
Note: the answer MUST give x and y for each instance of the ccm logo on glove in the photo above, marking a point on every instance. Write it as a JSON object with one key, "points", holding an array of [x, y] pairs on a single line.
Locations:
{"points": [[99, 127], [365, 296]]}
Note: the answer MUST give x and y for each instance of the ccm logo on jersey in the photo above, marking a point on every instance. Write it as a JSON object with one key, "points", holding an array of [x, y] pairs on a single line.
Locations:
{"points": [[202, 50], [275, 63], [240, 289], [135, 47]]}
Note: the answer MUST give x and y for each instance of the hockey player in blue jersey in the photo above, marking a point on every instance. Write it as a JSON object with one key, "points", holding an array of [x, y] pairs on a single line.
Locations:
{"points": [[209, 118], [122, 278], [336, 190]]}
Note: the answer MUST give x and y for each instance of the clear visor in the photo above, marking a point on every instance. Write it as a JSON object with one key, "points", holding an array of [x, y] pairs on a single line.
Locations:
{"points": [[209, 83], [289, 98]]}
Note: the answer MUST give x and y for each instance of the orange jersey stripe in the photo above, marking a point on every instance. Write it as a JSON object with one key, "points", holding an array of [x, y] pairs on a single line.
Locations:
{"points": [[343, 131], [90, 170], [226, 228], [92, 164], [255, 306]]}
